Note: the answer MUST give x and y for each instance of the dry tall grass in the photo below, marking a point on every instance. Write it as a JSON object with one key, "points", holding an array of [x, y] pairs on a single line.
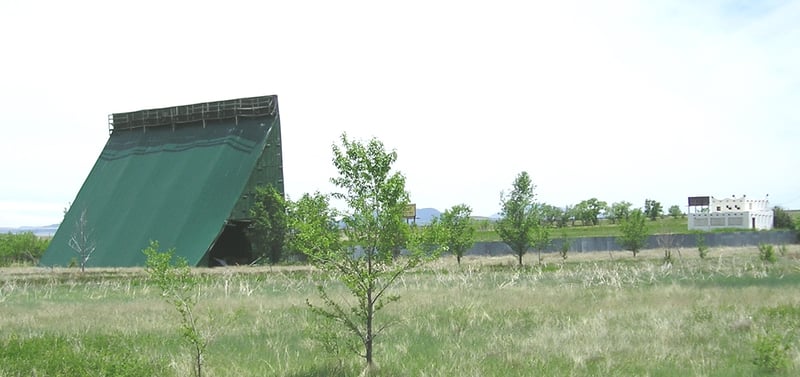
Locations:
{"points": [[593, 314]]}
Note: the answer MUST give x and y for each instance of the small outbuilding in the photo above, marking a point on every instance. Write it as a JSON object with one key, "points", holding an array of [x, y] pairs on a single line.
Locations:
{"points": [[708, 213], [185, 176]]}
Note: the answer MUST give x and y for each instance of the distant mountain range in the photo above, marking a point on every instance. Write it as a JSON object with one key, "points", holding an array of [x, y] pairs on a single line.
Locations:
{"points": [[426, 215], [41, 231]]}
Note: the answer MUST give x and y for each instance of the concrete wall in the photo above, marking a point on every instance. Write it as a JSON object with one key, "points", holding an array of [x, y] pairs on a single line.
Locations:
{"points": [[730, 219], [684, 241]]}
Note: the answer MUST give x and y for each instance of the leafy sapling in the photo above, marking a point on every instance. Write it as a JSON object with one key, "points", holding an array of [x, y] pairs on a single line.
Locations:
{"points": [[362, 254], [179, 288], [634, 232], [519, 222]]}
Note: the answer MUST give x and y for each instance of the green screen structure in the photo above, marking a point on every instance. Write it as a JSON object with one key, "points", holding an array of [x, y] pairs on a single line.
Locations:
{"points": [[184, 176]]}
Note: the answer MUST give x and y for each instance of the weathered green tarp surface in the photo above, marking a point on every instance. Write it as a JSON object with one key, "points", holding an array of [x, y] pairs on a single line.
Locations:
{"points": [[178, 184]]}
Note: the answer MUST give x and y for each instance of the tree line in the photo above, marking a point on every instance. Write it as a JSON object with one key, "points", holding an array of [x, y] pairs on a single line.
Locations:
{"points": [[589, 212], [21, 248]]}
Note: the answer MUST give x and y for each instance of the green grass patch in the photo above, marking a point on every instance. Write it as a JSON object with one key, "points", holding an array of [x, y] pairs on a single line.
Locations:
{"points": [[81, 355], [591, 315]]}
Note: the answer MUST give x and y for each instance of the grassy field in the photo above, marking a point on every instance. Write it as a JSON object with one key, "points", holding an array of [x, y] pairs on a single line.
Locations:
{"points": [[594, 314]]}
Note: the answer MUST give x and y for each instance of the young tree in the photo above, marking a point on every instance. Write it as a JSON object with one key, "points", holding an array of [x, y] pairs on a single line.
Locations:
{"points": [[551, 215], [312, 226], [581, 212], [519, 215], [362, 256], [589, 210], [634, 232], [268, 229], [82, 240], [781, 219], [675, 211], [619, 211], [179, 289], [652, 209], [541, 240], [564, 246], [568, 215], [455, 232]]}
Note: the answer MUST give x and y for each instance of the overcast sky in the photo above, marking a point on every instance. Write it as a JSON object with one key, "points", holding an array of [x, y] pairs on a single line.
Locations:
{"points": [[618, 100]]}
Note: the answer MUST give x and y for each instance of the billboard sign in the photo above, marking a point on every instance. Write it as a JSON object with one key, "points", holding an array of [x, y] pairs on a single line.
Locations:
{"points": [[410, 212], [699, 201]]}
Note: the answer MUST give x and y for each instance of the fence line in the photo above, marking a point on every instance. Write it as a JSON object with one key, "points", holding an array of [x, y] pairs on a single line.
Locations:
{"points": [[684, 241]]}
